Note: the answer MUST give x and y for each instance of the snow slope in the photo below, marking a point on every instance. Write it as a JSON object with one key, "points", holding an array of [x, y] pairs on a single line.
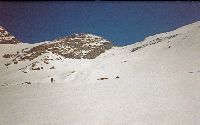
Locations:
{"points": [[156, 84]]}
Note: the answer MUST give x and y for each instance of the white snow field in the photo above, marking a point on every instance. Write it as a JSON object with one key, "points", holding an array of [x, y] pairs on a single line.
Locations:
{"points": [[158, 84]]}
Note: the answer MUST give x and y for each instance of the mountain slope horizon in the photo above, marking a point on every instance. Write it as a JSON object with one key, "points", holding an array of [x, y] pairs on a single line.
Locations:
{"points": [[155, 81]]}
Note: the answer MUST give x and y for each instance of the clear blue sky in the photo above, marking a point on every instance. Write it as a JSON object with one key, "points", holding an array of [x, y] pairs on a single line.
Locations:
{"points": [[120, 22]]}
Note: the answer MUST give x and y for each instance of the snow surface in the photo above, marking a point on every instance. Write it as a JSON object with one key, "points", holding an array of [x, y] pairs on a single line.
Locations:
{"points": [[157, 85]]}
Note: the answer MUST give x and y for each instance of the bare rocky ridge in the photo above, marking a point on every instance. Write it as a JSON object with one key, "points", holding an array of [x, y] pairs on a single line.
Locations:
{"points": [[154, 41], [82, 45], [76, 46], [6, 37]]}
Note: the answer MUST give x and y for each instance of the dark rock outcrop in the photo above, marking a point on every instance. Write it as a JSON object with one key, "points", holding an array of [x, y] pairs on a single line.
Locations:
{"points": [[76, 46], [155, 41], [6, 37]]}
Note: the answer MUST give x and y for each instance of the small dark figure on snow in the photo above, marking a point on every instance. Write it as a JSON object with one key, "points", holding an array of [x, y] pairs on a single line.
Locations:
{"points": [[117, 77], [51, 80]]}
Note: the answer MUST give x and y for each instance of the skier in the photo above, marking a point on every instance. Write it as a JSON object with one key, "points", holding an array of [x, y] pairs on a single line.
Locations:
{"points": [[52, 80]]}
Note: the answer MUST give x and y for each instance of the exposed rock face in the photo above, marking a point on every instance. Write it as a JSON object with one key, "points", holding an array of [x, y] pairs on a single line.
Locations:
{"points": [[82, 45], [6, 37], [76, 46], [155, 41]]}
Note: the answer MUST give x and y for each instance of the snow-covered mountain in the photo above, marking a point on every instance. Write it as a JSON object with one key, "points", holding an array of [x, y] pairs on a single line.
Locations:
{"points": [[6, 37], [30, 58], [75, 46], [152, 82]]}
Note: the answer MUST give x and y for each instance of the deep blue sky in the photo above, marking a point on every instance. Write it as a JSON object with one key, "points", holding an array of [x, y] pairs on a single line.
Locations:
{"points": [[120, 22]]}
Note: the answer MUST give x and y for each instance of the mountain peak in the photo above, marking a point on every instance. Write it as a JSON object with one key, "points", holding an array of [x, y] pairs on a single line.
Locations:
{"points": [[6, 37], [82, 37], [75, 46], [82, 45]]}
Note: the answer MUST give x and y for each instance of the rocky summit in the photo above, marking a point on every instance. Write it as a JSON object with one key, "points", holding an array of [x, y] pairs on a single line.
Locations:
{"points": [[6, 37], [75, 46], [81, 45]]}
